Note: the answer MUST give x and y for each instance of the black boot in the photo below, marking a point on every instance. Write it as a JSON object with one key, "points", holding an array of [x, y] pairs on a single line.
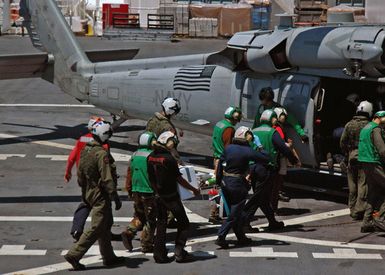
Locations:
{"points": [[220, 241], [244, 241], [114, 261], [185, 257], [162, 259], [276, 226], [75, 263]]}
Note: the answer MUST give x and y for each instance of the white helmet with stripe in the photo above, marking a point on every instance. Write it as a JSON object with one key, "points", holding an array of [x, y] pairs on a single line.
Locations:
{"points": [[365, 107], [102, 130], [171, 106], [280, 111], [241, 133], [92, 120]]}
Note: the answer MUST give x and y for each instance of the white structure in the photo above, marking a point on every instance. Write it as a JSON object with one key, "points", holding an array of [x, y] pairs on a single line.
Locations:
{"points": [[5, 20], [374, 11]]}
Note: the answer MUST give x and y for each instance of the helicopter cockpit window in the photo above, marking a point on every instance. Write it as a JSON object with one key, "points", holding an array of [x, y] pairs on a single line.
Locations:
{"points": [[278, 55]]}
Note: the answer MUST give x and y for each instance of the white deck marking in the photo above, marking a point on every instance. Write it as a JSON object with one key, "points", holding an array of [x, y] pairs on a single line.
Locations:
{"points": [[39, 142], [51, 219], [6, 156], [49, 105], [53, 157], [264, 252], [278, 237], [96, 259], [344, 253], [64, 265], [116, 156], [19, 250], [93, 251]]}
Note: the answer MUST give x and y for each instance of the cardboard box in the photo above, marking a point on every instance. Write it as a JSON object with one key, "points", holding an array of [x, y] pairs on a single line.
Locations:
{"points": [[235, 18]]}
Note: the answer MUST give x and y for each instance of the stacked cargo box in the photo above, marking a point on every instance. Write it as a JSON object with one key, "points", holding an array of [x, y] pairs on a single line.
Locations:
{"points": [[231, 18], [180, 13], [203, 27], [358, 12], [182, 19], [311, 11]]}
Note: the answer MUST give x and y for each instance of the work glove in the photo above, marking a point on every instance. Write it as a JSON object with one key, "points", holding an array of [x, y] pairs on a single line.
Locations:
{"points": [[197, 192], [305, 139]]}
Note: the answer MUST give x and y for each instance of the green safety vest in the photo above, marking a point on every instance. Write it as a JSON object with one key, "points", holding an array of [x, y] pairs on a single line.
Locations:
{"points": [[139, 174], [218, 145], [265, 134], [367, 152]]}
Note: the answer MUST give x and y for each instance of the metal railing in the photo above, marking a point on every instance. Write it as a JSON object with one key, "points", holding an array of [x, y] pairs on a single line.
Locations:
{"points": [[354, 3], [125, 20], [160, 21]]}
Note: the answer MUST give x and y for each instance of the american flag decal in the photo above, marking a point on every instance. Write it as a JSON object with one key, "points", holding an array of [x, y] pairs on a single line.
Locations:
{"points": [[193, 78]]}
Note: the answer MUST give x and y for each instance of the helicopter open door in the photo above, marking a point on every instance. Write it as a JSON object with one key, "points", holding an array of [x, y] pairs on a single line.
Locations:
{"points": [[298, 94]]}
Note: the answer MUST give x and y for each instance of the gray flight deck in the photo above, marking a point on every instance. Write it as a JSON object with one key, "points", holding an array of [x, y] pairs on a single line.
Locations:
{"points": [[36, 206]]}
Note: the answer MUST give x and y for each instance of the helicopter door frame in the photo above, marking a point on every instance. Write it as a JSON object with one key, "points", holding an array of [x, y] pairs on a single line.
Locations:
{"points": [[296, 94]]}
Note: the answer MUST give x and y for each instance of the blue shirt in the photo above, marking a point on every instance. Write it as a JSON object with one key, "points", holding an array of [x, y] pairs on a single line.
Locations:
{"points": [[237, 157]]}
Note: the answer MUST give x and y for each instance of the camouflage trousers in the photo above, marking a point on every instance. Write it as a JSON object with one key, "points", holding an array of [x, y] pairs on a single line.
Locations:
{"points": [[375, 178], [145, 215], [358, 190], [100, 230]]}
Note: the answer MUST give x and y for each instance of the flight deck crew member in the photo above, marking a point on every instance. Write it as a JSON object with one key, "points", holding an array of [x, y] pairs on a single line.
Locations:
{"points": [[83, 210], [160, 123], [266, 96], [371, 153], [139, 188], [349, 145], [274, 145], [237, 157], [97, 177], [282, 160], [164, 174], [223, 136]]}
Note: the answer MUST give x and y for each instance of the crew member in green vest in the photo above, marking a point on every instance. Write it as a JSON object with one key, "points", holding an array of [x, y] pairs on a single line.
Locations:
{"points": [[371, 153], [224, 132], [273, 144], [139, 188], [222, 136], [266, 96]]}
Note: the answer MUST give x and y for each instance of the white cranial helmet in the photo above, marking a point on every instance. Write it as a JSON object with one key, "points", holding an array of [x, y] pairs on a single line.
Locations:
{"points": [[365, 107], [102, 129], [280, 111], [146, 138], [171, 106], [242, 132], [92, 120]]}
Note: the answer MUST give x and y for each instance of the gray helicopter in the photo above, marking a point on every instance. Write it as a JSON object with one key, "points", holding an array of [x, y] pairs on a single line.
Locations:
{"points": [[311, 70]]}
